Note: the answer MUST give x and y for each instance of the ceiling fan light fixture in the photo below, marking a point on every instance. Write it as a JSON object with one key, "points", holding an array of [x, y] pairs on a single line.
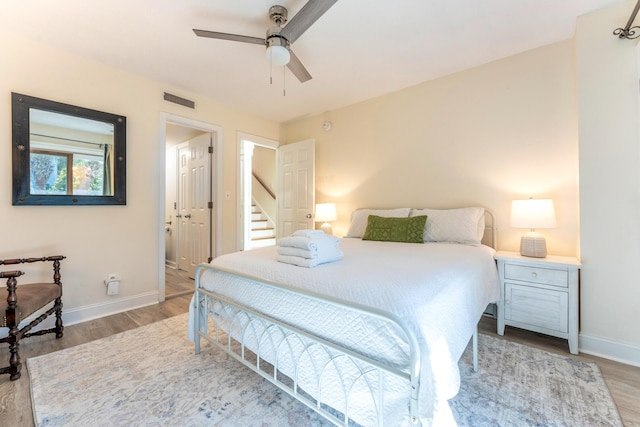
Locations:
{"points": [[278, 38], [278, 55]]}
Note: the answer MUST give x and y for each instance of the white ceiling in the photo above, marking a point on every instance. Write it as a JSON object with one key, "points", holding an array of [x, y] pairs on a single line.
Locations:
{"points": [[359, 49]]}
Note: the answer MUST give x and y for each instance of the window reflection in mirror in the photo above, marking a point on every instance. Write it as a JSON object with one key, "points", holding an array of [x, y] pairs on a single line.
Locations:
{"points": [[70, 155], [64, 155]]}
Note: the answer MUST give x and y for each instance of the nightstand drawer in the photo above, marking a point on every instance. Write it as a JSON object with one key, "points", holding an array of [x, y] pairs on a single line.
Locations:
{"points": [[547, 276]]}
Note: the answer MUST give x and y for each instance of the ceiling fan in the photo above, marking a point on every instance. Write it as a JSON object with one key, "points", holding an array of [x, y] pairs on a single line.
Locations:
{"points": [[279, 39]]}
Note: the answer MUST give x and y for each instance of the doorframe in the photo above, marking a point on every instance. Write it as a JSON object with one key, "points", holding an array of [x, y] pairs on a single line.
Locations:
{"points": [[216, 187], [243, 207]]}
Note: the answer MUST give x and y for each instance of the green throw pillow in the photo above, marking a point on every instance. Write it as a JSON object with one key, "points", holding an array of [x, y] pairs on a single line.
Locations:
{"points": [[409, 230]]}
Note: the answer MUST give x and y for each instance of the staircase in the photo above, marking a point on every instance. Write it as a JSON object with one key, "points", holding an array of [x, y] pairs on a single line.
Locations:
{"points": [[263, 233]]}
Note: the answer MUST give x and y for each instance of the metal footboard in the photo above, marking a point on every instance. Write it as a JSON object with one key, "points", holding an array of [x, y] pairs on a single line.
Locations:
{"points": [[302, 363]]}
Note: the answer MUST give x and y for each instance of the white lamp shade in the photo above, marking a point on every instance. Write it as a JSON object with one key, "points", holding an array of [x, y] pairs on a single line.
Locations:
{"points": [[326, 212], [278, 55], [533, 213]]}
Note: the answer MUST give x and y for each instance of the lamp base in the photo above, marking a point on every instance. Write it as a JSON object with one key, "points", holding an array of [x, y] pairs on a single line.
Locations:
{"points": [[533, 244], [326, 227]]}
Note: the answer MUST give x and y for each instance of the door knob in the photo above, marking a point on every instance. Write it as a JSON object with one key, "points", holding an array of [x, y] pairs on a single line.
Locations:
{"points": [[309, 215], [187, 216]]}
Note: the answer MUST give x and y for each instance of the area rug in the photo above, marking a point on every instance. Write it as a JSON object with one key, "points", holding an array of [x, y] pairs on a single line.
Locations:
{"points": [[517, 385], [149, 376]]}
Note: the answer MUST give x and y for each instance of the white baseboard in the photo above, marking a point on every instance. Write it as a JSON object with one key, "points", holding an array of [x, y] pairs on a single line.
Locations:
{"points": [[613, 350], [171, 264], [95, 311]]}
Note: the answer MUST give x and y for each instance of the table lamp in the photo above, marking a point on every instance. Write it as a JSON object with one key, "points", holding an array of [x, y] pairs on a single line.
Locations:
{"points": [[326, 212], [532, 214]]}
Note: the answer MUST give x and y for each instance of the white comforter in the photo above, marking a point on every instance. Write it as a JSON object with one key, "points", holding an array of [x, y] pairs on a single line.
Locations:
{"points": [[439, 290]]}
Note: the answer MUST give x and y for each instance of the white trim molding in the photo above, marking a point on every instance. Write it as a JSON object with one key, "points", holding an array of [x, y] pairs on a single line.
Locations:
{"points": [[614, 350], [96, 311]]}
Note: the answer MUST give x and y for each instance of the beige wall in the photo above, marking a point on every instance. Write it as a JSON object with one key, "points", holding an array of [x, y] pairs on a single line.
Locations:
{"points": [[480, 137], [110, 239], [514, 128], [609, 183]]}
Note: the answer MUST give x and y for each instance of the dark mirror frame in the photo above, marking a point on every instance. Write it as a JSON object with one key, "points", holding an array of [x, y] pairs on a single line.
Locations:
{"points": [[20, 106]]}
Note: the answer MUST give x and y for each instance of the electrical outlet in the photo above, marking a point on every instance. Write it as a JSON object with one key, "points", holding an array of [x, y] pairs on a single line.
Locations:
{"points": [[113, 287]]}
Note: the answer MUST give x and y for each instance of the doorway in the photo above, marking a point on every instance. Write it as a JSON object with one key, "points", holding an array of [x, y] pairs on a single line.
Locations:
{"points": [[258, 188], [190, 207]]}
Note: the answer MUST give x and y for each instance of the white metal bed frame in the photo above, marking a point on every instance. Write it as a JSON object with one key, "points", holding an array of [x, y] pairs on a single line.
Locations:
{"points": [[236, 320], [292, 343]]}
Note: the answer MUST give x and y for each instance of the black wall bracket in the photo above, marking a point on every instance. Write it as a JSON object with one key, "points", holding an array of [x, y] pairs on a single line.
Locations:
{"points": [[629, 32]]}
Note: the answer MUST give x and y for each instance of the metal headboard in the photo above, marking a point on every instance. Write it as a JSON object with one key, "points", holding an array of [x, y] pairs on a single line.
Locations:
{"points": [[490, 237]]}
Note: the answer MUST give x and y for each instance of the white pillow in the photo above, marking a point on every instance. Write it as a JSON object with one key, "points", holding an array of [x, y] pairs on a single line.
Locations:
{"points": [[359, 218], [464, 225]]}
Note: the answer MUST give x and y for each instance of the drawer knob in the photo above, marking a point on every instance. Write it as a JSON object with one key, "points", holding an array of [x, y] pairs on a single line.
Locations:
{"points": [[534, 274]]}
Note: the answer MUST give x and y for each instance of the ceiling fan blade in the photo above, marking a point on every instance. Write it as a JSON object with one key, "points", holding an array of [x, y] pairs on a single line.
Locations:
{"points": [[309, 14], [227, 36], [298, 69]]}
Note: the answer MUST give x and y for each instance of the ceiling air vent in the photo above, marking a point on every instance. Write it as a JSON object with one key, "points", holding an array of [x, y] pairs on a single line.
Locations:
{"points": [[178, 100]]}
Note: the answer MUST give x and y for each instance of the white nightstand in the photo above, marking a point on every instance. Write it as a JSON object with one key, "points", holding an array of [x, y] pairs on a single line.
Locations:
{"points": [[539, 294]]}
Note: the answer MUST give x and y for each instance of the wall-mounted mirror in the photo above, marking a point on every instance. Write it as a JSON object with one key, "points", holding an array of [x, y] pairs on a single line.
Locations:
{"points": [[67, 155]]}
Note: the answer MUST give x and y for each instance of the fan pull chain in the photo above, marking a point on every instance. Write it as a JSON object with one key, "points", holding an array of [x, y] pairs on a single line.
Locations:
{"points": [[271, 67], [284, 80]]}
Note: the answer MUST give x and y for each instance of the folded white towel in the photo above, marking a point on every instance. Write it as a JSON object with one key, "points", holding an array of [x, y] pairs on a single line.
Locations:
{"points": [[303, 241], [326, 242], [291, 251], [329, 253], [298, 242], [307, 233], [296, 260], [319, 243], [310, 250], [303, 262]]}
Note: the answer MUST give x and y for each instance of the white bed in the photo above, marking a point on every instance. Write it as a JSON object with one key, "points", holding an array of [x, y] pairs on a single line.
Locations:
{"points": [[407, 308]]}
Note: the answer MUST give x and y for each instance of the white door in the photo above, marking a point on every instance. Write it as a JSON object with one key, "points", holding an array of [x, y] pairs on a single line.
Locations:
{"points": [[296, 189], [194, 202], [182, 216]]}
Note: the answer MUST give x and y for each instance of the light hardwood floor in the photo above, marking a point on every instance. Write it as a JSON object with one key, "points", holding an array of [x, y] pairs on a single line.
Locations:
{"points": [[623, 380], [15, 402], [177, 283]]}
